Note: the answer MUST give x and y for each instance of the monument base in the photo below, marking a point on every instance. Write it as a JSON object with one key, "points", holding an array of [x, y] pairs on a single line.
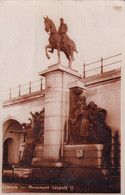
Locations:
{"points": [[85, 155], [49, 163], [57, 79], [19, 172]]}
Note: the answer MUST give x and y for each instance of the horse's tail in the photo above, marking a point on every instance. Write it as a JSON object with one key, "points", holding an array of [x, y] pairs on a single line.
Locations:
{"points": [[74, 46], [76, 50]]}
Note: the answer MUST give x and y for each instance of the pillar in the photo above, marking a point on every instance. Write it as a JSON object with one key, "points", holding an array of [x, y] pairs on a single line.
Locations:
{"points": [[57, 80]]}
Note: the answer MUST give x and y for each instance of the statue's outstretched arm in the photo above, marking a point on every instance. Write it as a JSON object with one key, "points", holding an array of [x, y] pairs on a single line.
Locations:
{"points": [[32, 114]]}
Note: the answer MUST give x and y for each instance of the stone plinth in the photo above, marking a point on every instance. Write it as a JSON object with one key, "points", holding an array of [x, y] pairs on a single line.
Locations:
{"points": [[57, 79], [87, 155]]}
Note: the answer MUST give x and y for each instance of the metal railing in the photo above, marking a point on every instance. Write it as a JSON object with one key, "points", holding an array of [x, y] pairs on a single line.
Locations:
{"points": [[27, 88], [88, 70], [100, 66]]}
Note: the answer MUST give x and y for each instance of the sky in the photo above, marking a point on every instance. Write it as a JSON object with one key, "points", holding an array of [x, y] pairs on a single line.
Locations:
{"points": [[96, 27]]}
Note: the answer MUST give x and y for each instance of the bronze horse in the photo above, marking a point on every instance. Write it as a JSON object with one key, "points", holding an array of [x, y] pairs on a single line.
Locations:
{"points": [[56, 43]]}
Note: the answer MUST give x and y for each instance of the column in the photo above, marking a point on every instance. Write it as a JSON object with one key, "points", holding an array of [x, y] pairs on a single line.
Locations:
{"points": [[57, 79]]}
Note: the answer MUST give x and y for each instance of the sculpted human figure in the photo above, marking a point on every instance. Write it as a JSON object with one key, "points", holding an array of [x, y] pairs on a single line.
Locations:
{"points": [[84, 127], [80, 102], [79, 121], [92, 112], [82, 115], [62, 31]]}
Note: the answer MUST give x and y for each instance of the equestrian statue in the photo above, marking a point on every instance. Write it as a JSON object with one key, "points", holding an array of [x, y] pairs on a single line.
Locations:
{"points": [[59, 40]]}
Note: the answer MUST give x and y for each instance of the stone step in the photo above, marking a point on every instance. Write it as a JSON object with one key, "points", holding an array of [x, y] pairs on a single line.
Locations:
{"points": [[37, 161], [18, 172]]}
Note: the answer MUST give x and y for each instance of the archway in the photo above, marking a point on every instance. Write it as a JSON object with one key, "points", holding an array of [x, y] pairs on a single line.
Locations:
{"points": [[11, 143], [9, 153]]}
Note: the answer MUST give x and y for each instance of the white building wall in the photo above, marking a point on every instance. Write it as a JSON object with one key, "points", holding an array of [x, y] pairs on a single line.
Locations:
{"points": [[108, 96], [21, 111]]}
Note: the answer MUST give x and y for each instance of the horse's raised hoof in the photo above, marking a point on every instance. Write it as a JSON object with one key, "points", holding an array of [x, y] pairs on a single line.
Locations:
{"points": [[48, 57]]}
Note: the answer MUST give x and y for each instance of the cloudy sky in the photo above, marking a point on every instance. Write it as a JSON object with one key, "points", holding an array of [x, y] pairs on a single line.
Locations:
{"points": [[95, 26]]}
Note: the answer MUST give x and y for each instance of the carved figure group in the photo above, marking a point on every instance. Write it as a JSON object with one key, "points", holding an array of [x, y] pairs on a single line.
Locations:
{"points": [[89, 120], [87, 125], [59, 40], [33, 133]]}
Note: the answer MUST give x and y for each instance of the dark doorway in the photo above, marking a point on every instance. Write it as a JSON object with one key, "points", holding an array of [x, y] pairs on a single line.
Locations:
{"points": [[8, 153], [5, 154]]}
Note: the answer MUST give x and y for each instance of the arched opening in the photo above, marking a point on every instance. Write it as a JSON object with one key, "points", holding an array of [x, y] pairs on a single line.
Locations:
{"points": [[12, 140], [9, 148]]}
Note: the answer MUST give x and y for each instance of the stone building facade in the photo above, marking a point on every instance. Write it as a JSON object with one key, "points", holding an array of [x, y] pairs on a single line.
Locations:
{"points": [[104, 89]]}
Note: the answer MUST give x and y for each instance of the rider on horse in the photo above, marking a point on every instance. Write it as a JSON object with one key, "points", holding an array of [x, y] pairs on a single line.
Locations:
{"points": [[59, 40], [62, 31]]}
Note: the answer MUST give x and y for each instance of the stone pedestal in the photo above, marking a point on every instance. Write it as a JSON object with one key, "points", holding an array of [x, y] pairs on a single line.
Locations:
{"points": [[57, 79], [85, 155]]}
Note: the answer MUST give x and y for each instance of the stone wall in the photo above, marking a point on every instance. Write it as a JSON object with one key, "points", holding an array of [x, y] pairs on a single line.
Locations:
{"points": [[106, 93], [19, 108], [87, 155]]}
